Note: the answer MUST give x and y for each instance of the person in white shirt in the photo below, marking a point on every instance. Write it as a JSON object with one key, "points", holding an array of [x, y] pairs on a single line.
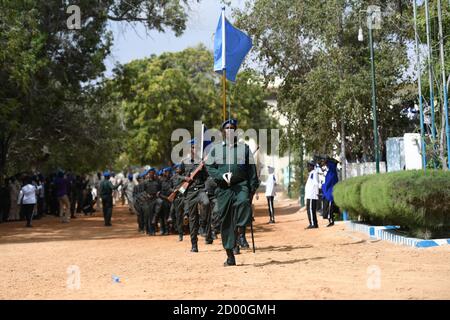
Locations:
{"points": [[27, 199], [128, 188], [311, 195], [270, 193]]}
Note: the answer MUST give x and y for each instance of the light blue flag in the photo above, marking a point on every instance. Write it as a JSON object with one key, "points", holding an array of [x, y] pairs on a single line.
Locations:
{"points": [[237, 45]]}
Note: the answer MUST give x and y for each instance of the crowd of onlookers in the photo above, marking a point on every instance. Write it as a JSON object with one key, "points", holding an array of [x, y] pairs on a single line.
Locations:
{"points": [[31, 196]]}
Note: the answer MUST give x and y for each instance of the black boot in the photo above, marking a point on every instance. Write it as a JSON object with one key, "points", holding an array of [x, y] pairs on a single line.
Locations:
{"points": [[242, 241], [194, 247], [236, 250], [231, 261]]}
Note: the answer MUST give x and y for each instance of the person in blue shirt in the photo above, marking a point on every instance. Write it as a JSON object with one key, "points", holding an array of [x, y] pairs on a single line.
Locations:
{"points": [[327, 188]]}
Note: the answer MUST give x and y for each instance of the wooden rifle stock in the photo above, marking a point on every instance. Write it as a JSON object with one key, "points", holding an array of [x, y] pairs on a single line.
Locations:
{"points": [[183, 187]]}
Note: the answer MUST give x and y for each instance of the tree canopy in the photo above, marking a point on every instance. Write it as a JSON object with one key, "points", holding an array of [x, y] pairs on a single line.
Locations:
{"points": [[48, 73], [162, 93], [312, 46]]}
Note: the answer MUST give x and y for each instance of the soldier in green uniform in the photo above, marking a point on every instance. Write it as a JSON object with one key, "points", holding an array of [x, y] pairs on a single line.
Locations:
{"points": [[166, 190], [195, 195], [152, 204], [235, 195], [138, 204], [106, 190], [213, 220], [177, 207]]}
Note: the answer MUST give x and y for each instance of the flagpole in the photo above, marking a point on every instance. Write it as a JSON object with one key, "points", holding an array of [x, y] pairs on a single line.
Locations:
{"points": [[444, 84], [224, 81], [419, 84], [430, 79], [224, 71]]}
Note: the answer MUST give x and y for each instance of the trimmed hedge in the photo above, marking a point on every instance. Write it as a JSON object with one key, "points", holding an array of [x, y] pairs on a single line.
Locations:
{"points": [[417, 201], [347, 195]]}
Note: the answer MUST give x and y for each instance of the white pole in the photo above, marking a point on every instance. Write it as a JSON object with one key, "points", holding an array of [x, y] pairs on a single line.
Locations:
{"points": [[444, 83], [202, 141], [419, 84]]}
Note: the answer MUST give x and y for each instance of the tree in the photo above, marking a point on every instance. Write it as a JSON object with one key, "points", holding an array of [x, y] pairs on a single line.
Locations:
{"points": [[437, 153], [47, 74], [162, 93], [326, 92]]}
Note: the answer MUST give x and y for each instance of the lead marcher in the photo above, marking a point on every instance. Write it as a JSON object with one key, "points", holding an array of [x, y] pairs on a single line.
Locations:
{"points": [[233, 198]]}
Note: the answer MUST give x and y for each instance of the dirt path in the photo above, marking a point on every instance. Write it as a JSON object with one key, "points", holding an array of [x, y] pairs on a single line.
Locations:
{"points": [[290, 263]]}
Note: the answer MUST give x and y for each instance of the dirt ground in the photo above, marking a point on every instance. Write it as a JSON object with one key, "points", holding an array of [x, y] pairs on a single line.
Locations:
{"points": [[290, 262]]}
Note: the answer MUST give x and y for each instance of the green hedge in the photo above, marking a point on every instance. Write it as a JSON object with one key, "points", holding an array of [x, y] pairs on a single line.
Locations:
{"points": [[417, 201], [347, 194]]}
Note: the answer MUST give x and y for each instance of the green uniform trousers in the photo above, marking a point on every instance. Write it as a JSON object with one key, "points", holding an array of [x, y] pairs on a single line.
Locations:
{"points": [[234, 209], [193, 199]]}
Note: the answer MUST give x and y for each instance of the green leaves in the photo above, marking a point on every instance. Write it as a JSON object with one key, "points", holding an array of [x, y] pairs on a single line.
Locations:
{"points": [[160, 94], [406, 198], [46, 76], [312, 46]]}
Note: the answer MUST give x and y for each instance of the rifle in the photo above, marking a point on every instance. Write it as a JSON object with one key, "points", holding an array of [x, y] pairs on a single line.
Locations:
{"points": [[185, 185]]}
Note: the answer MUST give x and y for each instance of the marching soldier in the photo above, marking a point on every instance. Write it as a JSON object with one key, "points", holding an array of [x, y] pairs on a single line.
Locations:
{"points": [[128, 189], [213, 221], [138, 204], [152, 204], [177, 207], [166, 190], [234, 194], [195, 195]]}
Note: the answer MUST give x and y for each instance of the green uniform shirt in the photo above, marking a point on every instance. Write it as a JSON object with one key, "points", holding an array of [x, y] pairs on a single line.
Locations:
{"points": [[238, 160], [166, 186], [176, 180], [188, 165], [106, 189]]}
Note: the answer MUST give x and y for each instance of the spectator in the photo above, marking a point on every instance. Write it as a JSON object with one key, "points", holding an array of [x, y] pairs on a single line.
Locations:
{"points": [[62, 192], [27, 199], [311, 195], [4, 200], [40, 196], [270, 184], [330, 180]]}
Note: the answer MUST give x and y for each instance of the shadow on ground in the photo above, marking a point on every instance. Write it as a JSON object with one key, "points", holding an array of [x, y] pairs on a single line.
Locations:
{"points": [[285, 262]]}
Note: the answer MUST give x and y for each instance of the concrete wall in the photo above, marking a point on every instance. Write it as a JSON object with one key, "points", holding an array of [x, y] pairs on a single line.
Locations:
{"points": [[361, 169]]}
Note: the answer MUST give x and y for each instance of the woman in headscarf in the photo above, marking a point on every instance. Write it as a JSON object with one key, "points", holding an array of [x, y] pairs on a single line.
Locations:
{"points": [[327, 188]]}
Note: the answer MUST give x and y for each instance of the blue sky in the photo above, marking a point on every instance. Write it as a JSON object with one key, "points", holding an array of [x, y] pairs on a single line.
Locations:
{"points": [[134, 43]]}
